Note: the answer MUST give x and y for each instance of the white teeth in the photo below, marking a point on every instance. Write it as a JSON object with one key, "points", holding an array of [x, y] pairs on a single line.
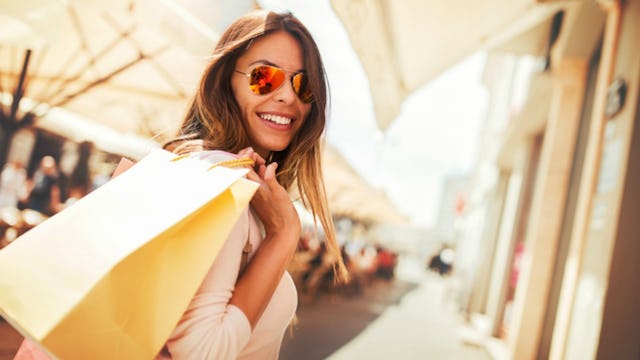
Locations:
{"points": [[281, 120]]}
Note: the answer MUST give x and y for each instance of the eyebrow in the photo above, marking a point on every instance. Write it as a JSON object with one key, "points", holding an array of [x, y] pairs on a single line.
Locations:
{"points": [[262, 61], [267, 62]]}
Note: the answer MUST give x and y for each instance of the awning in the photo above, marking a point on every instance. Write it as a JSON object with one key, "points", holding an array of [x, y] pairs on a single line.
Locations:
{"points": [[404, 44]]}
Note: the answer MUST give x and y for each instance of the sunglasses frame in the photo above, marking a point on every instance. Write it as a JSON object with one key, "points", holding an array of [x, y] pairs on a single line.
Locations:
{"points": [[290, 74]]}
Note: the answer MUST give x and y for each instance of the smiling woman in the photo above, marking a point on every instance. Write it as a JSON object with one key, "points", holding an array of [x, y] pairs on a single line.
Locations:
{"points": [[262, 96]]}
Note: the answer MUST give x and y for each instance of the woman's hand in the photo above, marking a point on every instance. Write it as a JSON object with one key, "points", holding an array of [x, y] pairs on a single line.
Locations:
{"points": [[250, 153], [271, 201]]}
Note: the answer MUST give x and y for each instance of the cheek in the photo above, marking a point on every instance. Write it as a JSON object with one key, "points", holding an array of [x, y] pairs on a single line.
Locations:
{"points": [[242, 102], [236, 93], [305, 111]]}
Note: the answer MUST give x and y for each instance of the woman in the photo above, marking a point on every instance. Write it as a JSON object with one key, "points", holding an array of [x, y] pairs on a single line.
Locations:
{"points": [[263, 96]]}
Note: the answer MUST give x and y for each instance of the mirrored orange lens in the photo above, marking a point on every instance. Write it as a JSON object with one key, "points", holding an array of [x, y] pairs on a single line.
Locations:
{"points": [[265, 79], [301, 86]]}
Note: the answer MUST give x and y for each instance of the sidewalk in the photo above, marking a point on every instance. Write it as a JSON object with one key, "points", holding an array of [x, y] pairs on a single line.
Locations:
{"points": [[410, 318], [423, 325]]}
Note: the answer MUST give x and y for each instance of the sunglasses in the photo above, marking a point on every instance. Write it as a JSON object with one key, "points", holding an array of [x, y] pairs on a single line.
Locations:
{"points": [[265, 79]]}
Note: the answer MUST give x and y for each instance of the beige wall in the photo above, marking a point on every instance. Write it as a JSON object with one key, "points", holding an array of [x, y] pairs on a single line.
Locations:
{"points": [[570, 63], [605, 316], [595, 312], [547, 207]]}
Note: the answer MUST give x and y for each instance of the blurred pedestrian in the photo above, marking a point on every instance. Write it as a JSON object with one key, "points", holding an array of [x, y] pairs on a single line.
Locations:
{"points": [[13, 181], [80, 182], [442, 262], [43, 189], [386, 261]]}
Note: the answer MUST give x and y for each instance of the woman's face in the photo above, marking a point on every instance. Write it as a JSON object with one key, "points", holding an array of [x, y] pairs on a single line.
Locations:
{"points": [[272, 119]]}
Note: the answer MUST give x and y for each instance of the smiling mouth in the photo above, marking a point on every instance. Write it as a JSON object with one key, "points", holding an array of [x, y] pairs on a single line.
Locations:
{"points": [[276, 119]]}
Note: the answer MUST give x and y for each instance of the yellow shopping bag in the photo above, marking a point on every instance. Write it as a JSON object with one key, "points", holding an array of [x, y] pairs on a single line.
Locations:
{"points": [[110, 276]]}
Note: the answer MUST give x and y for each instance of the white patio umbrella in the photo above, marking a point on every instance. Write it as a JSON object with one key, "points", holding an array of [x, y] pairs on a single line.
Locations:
{"points": [[129, 65], [353, 197]]}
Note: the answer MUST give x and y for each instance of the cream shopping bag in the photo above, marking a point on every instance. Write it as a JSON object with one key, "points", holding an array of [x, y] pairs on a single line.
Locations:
{"points": [[110, 276]]}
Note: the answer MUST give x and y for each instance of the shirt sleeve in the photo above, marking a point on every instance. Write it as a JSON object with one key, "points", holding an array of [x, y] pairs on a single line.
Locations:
{"points": [[211, 328]]}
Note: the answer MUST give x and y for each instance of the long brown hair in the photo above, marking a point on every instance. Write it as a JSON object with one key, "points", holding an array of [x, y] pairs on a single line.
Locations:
{"points": [[213, 119]]}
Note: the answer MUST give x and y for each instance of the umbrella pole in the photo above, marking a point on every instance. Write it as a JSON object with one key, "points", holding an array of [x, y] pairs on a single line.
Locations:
{"points": [[11, 124], [19, 91]]}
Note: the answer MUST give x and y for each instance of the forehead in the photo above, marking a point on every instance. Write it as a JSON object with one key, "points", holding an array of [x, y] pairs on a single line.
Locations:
{"points": [[280, 49]]}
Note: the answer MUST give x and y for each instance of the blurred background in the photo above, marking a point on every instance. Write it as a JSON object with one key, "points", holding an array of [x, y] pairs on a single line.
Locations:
{"points": [[478, 161]]}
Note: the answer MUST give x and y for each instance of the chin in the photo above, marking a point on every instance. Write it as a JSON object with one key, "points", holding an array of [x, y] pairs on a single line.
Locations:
{"points": [[278, 147]]}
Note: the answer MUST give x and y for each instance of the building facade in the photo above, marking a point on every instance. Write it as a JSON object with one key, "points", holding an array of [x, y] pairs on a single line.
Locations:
{"points": [[558, 190]]}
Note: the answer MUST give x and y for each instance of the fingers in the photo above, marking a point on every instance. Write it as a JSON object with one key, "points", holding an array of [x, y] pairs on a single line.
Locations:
{"points": [[259, 160], [250, 153], [253, 176], [265, 176], [264, 173], [262, 169], [260, 172], [245, 151], [270, 172]]}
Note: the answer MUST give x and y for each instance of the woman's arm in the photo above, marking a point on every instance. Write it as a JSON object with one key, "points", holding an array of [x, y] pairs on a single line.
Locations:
{"points": [[273, 206], [210, 327]]}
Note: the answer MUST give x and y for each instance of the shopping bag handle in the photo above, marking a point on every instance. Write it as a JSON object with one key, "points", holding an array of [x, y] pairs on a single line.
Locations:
{"points": [[231, 163]]}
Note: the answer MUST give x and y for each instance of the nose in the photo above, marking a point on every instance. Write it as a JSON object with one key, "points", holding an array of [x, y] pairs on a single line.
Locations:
{"points": [[285, 93]]}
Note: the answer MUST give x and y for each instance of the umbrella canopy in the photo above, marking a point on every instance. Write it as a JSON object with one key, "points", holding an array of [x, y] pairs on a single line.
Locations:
{"points": [[130, 65], [404, 44], [352, 196]]}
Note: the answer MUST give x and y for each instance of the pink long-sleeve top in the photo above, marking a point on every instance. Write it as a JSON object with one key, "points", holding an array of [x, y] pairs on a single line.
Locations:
{"points": [[211, 328]]}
